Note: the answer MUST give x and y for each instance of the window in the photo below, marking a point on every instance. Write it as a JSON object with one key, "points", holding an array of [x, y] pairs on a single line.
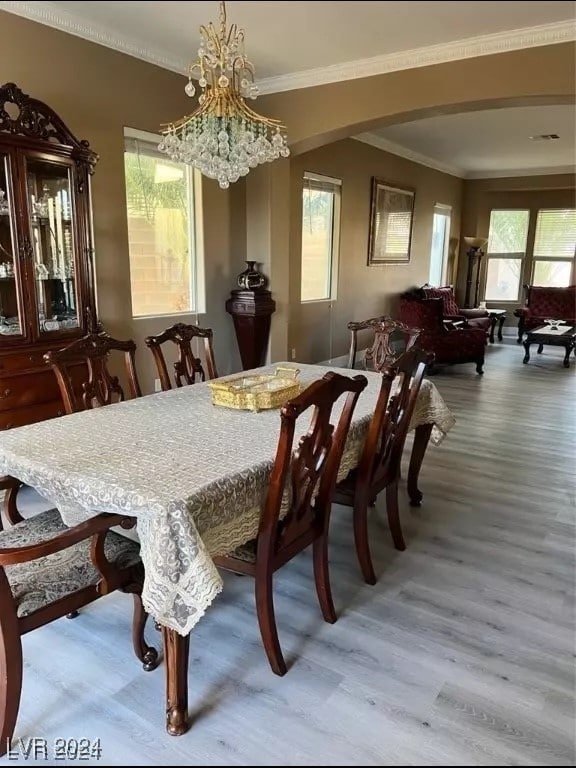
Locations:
{"points": [[554, 247], [440, 242], [162, 201], [506, 251], [320, 236]]}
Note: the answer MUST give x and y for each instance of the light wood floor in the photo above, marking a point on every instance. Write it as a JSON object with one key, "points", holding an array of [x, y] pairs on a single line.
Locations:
{"points": [[462, 654]]}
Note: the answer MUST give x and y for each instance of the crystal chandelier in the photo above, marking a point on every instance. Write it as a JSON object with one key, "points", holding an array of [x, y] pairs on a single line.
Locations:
{"points": [[223, 137]]}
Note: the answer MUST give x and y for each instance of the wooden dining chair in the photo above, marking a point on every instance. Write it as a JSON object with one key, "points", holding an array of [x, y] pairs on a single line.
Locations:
{"points": [[379, 466], [48, 571], [297, 508], [391, 339], [82, 371], [188, 366]]}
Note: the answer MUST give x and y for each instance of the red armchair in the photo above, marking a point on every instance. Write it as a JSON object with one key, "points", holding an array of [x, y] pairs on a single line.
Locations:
{"points": [[456, 345], [546, 304], [473, 318]]}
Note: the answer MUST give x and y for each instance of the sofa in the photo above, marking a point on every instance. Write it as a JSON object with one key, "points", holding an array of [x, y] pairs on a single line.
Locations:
{"points": [[545, 304], [473, 318], [449, 344]]}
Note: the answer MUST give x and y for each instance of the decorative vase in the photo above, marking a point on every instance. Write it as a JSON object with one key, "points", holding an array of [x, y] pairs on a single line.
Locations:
{"points": [[251, 278]]}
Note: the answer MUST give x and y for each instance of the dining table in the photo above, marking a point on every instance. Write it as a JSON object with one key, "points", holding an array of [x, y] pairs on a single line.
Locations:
{"points": [[194, 475]]}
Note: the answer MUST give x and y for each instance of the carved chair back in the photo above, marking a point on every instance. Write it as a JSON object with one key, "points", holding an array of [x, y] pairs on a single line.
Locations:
{"points": [[188, 366], [304, 479], [89, 356], [296, 512], [382, 453], [391, 339]]}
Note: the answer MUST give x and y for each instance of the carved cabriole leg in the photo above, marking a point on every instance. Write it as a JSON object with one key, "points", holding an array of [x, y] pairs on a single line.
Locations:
{"points": [[526, 352], [540, 348], [566, 362], [10, 508], [492, 328], [480, 366], [501, 322], [176, 653], [267, 621], [362, 542], [147, 655], [322, 578], [421, 439], [520, 330], [394, 515], [10, 665]]}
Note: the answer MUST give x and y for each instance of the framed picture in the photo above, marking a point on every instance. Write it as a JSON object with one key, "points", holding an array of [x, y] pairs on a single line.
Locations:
{"points": [[391, 216]]}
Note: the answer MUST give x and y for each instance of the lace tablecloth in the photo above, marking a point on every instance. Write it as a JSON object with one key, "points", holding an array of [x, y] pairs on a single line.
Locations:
{"points": [[195, 476]]}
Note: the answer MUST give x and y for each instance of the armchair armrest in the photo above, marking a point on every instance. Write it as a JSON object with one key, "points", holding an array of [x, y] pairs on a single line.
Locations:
{"points": [[90, 528], [474, 313], [454, 318], [522, 312], [453, 324]]}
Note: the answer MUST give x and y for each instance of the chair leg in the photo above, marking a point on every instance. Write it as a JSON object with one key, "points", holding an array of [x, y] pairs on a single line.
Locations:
{"points": [[322, 578], [362, 543], [10, 506], [480, 365], [144, 652], [267, 623], [10, 677], [394, 516]]}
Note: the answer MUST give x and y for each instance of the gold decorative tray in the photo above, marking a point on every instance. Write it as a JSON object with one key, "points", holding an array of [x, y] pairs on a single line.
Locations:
{"points": [[257, 393]]}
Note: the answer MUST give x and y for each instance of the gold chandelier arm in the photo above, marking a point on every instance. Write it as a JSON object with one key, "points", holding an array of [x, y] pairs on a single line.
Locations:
{"points": [[222, 19], [223, 137]]}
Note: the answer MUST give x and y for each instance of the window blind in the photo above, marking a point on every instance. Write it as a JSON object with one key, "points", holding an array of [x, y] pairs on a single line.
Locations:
{"points": [[555, 234], [508, 231]]}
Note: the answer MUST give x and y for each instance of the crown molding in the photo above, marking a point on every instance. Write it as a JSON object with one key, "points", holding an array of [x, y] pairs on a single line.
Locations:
{"points": [[374, 140], [552, 170], [472, 47], [75, 24], [409, 154]]}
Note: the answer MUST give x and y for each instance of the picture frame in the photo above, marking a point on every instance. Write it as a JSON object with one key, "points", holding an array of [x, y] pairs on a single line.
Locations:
{"points": [[391, 223]]}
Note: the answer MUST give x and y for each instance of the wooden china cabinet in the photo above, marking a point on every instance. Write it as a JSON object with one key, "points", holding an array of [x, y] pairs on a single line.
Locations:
{"points": [[46, 252]]}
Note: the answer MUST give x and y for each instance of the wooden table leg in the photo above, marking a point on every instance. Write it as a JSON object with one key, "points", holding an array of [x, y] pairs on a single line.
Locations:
{"points": [[526, 352], [176, 652], [421, 438], [501, 322], [493, 321]]}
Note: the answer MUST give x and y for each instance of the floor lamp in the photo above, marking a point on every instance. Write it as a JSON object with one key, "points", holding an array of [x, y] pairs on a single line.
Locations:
{"points": [[475, 252]]}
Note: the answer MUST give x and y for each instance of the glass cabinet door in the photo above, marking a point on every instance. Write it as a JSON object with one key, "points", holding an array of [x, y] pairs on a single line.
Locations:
{"points": [[11, 323], [50, 206]]}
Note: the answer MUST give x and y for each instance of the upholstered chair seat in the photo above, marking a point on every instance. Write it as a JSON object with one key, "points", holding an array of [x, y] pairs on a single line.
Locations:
{"points": [[38, 583], [472, 318], [246, 552]]}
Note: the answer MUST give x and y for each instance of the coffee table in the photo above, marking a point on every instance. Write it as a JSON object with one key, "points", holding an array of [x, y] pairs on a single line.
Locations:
{"points": [[497, 317], [559, 335]]}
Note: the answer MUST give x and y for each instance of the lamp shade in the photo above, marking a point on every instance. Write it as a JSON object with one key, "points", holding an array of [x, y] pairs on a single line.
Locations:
{"points": [[476, 243]]}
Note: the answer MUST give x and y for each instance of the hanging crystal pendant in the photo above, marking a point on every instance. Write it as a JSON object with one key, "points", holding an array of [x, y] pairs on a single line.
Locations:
{"points": [[224, 138]]}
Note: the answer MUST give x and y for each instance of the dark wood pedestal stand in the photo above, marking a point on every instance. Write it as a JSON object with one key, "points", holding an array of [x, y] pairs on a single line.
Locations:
{"points": [[251, 311]]}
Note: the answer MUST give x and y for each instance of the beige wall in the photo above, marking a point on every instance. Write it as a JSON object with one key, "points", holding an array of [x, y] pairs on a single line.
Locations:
{"points": [[98, 92], [528, 192], [327, 113], [318, 329]]}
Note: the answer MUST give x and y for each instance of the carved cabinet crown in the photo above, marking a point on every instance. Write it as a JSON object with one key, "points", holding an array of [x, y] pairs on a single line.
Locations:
{"points": [[22, 115]]}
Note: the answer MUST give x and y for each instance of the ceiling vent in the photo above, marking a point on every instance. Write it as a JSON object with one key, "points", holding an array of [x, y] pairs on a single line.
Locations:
{"points": [[545, 137]]}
